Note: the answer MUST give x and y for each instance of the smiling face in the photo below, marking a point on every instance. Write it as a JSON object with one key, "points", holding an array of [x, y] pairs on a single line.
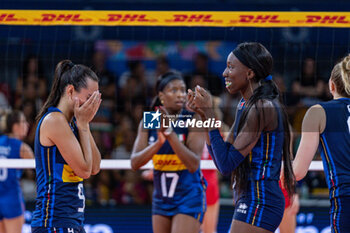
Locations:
{"points": [[173, 95], [236, 75]]}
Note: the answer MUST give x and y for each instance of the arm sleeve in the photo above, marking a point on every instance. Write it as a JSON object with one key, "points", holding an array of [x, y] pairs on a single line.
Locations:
{"points": [[225, 156]]}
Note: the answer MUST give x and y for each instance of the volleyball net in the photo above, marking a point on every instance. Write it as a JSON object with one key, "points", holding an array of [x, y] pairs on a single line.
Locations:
{"points": [[128, 50], [115, 42]]}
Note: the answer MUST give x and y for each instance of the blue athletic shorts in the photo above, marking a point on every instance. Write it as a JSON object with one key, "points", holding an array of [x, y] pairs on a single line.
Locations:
{"points": [[340, 215], [262, 205], [11, 207], [192, 206], [57, 230]]}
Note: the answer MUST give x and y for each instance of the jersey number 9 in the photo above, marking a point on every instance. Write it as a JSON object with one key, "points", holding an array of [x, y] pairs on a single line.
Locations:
{"points": [[81, 197]]}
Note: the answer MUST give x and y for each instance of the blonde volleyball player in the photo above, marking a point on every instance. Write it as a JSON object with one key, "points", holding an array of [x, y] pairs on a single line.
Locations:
{"points": [[327, 126]]}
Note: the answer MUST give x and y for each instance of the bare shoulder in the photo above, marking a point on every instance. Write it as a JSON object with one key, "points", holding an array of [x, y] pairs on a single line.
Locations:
{"points": [[315, 112], [54, 126], [314, 119], [54, 120]]}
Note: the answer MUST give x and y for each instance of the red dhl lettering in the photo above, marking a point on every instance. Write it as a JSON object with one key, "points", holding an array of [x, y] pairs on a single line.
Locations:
{"points": [[193, 18], [167, 162], [61, 17], [8, 17], [259, 19], [127, 18], [326, 19]]}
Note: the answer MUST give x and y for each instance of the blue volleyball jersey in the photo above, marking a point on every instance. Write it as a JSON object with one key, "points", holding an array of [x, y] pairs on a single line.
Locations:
{"points": [[335, 146], [9, 183], [176, 190], [262, 203], [60, 198], [266, 156]]}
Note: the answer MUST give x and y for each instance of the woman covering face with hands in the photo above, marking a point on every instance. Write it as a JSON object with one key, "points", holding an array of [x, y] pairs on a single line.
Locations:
{"points": [[257, 142], [65, 151]]}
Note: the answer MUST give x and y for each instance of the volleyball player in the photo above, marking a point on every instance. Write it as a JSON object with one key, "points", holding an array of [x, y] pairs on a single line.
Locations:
{"points": [[178, 203], [65, 151], [11, 147], [327, 125], [257, 143]]}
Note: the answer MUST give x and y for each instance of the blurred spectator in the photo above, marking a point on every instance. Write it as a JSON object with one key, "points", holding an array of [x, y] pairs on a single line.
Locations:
{"points": [[201, 67], [107, 79], [132, 190], [288, 98], [123, 151], [29, 111], [137, 71], [162, 66], [32, 78], [107, 88], [104, 187], [309, 87], [4, 96]]}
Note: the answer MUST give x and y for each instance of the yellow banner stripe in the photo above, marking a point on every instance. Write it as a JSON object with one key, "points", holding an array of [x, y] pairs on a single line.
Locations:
{"points": [[176, 18], [167, 162]]}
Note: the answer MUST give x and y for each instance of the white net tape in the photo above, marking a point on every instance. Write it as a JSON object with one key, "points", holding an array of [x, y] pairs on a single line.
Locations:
{"points": [[122, 164]]}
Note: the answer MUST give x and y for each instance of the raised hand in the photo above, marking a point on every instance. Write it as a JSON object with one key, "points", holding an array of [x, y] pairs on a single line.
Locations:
{"points": [[86, 112], [199, 101], [202, 99]]}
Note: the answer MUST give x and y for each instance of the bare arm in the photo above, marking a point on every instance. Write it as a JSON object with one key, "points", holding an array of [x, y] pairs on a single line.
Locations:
{"points": [[142, 152], [26, 152], [313, 124], [77, 154], [55, 130]]}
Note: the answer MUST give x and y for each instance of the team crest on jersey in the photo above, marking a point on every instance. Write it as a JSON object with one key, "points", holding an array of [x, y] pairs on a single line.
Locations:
{"points": [[242, 208]]}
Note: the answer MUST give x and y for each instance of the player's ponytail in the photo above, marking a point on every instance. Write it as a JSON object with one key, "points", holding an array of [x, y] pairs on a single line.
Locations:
{"points": [[341, 76], [66, 73], [258, 58]]}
